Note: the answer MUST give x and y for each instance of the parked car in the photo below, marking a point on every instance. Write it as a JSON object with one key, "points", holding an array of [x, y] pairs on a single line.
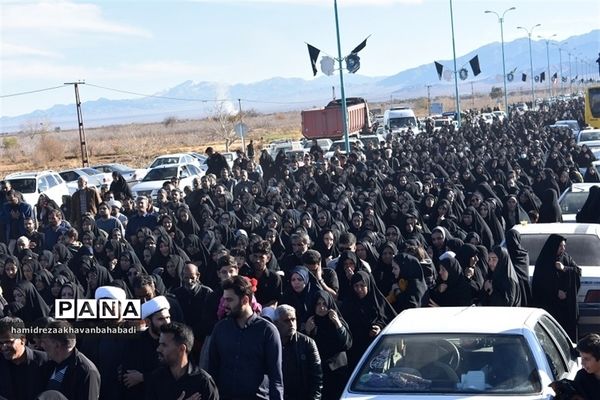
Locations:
{"points": [[201, 160], [154, 179], [95, 178], [465, 352], [32, 184], [583, 244], [324, 144], [570, 123], [177, 158], [130, 174], [590, 137], [573, 198], [341, 146]]}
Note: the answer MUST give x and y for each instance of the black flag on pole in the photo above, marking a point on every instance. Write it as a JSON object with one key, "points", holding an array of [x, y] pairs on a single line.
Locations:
{"points": [[313, 53], [524, 77], [475, 65], [555, 77], [361, 46], [440, 69], [542, 77]]}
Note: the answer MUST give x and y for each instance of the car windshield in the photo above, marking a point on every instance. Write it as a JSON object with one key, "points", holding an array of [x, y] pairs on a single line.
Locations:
{"points": [[589, 135], [403, 122], [449, 363], [121, 168], [160, 174], [23, 185], [164, 161], [91, 171], [585, 249]]}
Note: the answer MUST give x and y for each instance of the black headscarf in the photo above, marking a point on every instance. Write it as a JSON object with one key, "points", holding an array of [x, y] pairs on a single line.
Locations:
{"points": [[411, 284], [590, 211], [35, 307], [548, 280], [520, 260], [550, 210], [505, 283], [458, 291]]}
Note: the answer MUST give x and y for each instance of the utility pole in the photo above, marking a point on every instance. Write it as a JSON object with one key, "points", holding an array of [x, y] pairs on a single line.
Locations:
{"points": [[242, 133], [428, 99], [84, 153]]}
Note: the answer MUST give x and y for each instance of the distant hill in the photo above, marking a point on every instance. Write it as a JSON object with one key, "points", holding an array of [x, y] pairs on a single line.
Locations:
{"points": [[285, 94]]}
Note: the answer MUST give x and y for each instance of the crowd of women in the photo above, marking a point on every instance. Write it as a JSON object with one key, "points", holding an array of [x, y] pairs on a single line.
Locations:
{"points": [[415, 222]]}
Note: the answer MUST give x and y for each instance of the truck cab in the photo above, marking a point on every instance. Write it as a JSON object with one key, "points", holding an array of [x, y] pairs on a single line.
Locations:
{"points": [[399, 119]]}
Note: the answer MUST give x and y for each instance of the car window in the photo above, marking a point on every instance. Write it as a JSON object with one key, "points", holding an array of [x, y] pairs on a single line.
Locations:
{"points": [[573, 201], [160, 174], [42, 184], [90, 171], [563, 342], [25, 185], [51, 180], [193, 169], [585, 249], [69, 176], [448, 364], [58, 178], [553, 355]]}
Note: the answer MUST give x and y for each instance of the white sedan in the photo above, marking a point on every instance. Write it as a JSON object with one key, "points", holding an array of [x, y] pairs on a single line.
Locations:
{"points": [[156, 177], [465, 352], [95, 178]]}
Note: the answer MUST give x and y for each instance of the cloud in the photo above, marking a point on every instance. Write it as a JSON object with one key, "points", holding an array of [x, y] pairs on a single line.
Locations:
{"points": [[63, 16], [11, 50]]}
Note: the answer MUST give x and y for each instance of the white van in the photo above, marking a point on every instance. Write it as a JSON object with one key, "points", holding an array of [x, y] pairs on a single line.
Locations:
{"points": [[399, 119]]}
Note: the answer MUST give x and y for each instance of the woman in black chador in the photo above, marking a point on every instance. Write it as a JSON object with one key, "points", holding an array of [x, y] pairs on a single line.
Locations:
{"points": [[555, 284]]}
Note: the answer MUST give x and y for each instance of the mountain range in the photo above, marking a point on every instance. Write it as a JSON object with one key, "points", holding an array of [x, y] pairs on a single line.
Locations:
{"points": [[286, 94]]}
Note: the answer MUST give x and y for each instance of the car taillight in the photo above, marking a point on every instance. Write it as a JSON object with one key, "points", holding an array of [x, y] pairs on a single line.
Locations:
{"points": [[592, 296]]}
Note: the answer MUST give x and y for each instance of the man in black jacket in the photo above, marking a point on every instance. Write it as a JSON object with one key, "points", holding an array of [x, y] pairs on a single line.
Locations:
{"points": [[302, 374], [178, 378], [215, 162], [74, 375], [23, 371]]}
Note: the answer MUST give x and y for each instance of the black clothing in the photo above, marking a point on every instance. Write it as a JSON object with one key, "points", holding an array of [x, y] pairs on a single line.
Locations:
{"points": [[458, 291], [550, 210], [81, 379], [548, 280], [520, 260], [269, 287], [302, 374], [26, 380], [161, 384], [411, 284], [505, 283], [587, 385], [140, 356], [194, 307]]}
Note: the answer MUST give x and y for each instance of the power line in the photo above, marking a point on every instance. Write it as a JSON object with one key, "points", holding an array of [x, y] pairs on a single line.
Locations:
{"points": [[30, 92], [154, 95]]}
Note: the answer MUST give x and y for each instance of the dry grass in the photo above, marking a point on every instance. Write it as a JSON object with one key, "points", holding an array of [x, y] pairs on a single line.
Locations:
{"points": [[137, 144]]}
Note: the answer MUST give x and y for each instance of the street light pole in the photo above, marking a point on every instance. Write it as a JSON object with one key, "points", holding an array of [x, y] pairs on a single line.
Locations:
{"points": [[501, 21], [548, 60], [457, 99], [561, 70], [529, 33], [344, 105], [570, 75]]}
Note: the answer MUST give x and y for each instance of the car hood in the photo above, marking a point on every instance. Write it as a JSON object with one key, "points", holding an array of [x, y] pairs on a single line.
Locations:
{"points": [[150, 185]]}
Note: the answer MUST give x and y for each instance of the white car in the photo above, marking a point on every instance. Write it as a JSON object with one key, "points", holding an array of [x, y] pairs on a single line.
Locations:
{"points": [[583, 244], [589, 137], [573, 198], [156, 177], [176, 158], [341, 146], [500, 115], [130, 174], [571, 124], [95, 178], [32, 184], [455, 353]]}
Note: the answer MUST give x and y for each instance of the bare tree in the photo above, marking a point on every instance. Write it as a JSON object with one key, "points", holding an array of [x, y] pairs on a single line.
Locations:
{"points": [[222, 123], [34, 127]]}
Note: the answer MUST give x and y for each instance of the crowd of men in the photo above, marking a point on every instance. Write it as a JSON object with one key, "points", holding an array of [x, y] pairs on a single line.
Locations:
{"points": [[269, 279]]}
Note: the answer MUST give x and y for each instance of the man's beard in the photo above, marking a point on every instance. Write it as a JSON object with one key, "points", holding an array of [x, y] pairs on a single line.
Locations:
{"points": [[235, 312]]}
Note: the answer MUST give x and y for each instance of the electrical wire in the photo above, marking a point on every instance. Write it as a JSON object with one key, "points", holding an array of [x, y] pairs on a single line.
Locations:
{"points": [[30, 92]]}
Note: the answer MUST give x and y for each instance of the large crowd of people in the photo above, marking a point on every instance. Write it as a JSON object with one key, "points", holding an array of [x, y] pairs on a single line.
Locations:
{"points": [[269, 279]]}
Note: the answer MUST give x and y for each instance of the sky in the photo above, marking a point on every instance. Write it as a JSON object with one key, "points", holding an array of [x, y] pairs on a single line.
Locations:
{"points": [[151, 46]]}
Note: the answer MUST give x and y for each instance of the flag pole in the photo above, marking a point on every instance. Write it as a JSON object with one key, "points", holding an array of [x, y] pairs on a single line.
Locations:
{"points": [[344, 105]]}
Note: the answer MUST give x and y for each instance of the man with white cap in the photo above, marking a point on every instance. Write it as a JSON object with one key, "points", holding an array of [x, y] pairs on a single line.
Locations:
{"points": [[115, 211], [141, 356]]}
